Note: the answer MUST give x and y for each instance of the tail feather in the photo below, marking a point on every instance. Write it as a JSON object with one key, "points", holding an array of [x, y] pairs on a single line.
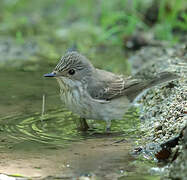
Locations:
{"points": [[160, 78]]}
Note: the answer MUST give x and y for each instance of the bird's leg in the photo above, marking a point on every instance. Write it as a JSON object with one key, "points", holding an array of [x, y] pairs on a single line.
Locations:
{"points": [[108, 125], [82, 124]]}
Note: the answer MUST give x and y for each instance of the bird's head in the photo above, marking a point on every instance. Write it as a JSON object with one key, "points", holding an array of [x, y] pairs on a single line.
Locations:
{"points": [[73, 66]]}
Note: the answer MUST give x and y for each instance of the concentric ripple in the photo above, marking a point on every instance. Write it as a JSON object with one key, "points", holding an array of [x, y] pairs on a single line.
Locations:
{"points": [[58, 127]]}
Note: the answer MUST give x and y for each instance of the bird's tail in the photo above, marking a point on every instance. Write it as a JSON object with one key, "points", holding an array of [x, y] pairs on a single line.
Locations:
{"points": [[160, 78], [138, 87]]}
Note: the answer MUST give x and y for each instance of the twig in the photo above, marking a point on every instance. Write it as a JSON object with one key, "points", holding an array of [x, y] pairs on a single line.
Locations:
{"points": [[43, 105]]}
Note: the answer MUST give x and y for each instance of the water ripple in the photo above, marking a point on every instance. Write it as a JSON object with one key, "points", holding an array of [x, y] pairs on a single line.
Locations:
{"points": [[58, 127]]}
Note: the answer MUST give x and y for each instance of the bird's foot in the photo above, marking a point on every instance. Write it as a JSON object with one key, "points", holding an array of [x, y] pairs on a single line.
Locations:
{"points": [[82, 125], [108, 126]]}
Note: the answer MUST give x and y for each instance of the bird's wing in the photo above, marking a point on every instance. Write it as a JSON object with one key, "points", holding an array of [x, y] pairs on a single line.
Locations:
{"points": [[120, 87], [108, 86], [111, 86]]}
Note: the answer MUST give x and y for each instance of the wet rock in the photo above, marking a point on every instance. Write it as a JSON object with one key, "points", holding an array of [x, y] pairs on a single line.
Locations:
{"points": [[5, 177], [157, 126], [156, 170], [178, 167], [166, 148], [151, 59], [163, 108], [88, 176]]}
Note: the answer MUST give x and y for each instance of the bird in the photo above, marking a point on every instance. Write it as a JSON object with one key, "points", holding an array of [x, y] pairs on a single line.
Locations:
{"points": [[98, 94]]}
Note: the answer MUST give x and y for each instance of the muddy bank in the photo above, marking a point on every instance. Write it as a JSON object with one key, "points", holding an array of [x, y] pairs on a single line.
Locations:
{"points": [[164, 108], [102, 157]]}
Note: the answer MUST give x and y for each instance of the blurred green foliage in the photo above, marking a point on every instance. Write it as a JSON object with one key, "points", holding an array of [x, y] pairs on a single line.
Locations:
{"points": [[171, 16], [90, 22]]}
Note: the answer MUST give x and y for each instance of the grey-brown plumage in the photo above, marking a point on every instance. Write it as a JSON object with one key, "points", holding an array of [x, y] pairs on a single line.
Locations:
{"points": [[114, 86], [97, 94]]}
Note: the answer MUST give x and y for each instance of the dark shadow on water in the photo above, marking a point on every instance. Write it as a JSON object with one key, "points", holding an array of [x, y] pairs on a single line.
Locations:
{"points": [[96, 134]]}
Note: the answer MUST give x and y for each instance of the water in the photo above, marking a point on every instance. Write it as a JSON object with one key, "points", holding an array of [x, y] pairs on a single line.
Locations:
{"points": [[50, 146]]}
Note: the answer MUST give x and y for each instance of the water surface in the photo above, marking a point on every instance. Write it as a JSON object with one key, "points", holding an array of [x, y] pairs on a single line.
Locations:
{"points": [[50, 146]]}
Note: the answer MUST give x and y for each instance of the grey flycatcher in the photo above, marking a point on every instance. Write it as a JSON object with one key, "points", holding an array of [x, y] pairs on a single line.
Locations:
{"points": [[98, 94]]}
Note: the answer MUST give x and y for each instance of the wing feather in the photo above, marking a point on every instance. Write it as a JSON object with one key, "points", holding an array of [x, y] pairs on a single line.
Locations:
{"points": [[108, 86], [119, 87]]}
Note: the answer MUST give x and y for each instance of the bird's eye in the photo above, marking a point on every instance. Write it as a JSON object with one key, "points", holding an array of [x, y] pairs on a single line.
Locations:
{"points": [[71, 72]]}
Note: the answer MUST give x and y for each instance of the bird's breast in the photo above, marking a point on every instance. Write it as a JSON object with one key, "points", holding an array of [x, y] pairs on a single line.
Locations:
{"points": [[77, 100]]}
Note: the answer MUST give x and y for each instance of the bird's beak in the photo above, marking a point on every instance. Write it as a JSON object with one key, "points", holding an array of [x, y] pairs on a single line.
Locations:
{"points": [[50, 75]]}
